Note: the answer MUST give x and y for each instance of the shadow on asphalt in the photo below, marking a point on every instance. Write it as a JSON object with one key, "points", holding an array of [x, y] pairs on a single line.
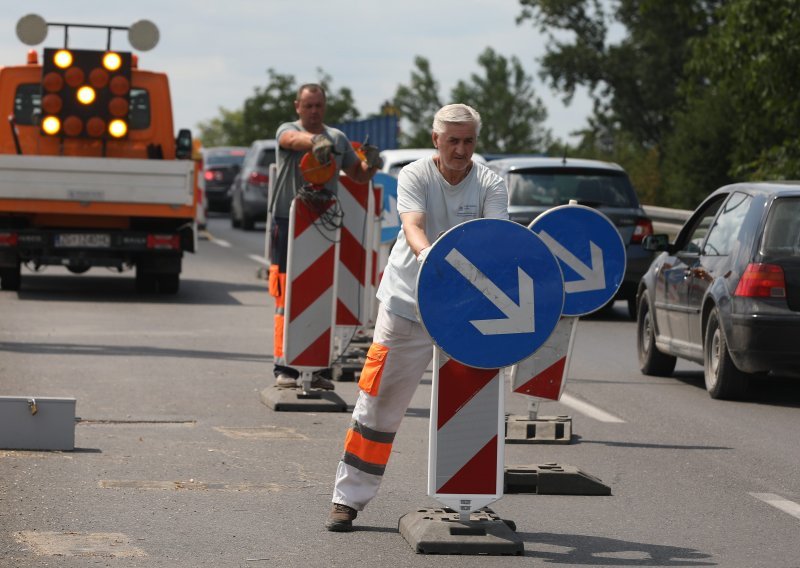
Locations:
{"points": [[772, 391], [93, 288], [581, 440], [601, 551]]}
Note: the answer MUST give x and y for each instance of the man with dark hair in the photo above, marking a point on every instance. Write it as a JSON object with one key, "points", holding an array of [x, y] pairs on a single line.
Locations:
{"points": [[307, 134]]}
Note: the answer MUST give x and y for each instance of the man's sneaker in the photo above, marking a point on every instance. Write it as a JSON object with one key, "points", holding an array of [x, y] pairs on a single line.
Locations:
{"points": [[341, 518], [320, 382], [285, 381]]}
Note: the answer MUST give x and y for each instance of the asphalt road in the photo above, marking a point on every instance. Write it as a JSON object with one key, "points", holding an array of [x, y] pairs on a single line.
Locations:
{"points": [[178, 463]]}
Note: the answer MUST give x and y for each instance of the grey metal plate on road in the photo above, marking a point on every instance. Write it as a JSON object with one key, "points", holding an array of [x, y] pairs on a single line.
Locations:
{"points": [[37, 423], [439, 531], [552, 479], [521, 429], [294, 400]]}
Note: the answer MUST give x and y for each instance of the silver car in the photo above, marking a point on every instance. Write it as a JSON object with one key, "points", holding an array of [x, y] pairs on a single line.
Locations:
{"points": [[249, 189]]}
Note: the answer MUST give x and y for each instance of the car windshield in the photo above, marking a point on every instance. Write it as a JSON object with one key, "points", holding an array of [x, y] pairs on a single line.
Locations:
{"points": [[782, 233], [225, 159], [556, 186]]}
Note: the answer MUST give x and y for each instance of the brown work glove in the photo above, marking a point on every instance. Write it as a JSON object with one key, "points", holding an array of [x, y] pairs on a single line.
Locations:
{"points": [[372, 155], [321, 147]]}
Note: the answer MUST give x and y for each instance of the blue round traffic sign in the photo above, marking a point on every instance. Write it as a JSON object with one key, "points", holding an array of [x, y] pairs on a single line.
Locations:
{"points": [[489, 293], [590, 251]]}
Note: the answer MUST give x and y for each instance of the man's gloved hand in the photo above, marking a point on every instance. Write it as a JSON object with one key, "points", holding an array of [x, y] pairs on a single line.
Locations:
{"points": [[372, 155], [321, 147]]}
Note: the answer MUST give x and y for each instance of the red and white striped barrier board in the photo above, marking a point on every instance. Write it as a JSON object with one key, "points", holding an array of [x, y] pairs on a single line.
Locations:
{"points": [[465, 462], [544, 374], [355, 252], [310, 288], [376, 270]]}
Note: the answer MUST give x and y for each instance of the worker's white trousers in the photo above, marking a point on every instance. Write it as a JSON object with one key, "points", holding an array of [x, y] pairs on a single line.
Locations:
{"points": [[400, 353]]}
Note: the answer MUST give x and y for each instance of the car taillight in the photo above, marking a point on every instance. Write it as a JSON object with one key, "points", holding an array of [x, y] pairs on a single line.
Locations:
{"points": [[762, 281], [257, 178], [8, 239], [164, 242], [643, 228], [209, 175]]}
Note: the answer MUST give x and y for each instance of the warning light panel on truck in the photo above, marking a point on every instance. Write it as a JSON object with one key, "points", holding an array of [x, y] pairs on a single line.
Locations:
{"points": [[85, 93]]}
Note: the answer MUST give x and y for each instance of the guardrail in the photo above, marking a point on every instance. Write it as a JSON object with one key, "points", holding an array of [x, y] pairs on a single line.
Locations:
{"points": [[666, 220]]}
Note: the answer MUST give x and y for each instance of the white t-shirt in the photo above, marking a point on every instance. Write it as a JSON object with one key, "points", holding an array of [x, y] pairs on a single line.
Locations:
{"points": [[422, 188]]}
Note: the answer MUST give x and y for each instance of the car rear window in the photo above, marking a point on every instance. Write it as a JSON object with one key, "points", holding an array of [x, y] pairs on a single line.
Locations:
{"points": [[782, 232], [225, 159], [266, 157], [556, 186]]}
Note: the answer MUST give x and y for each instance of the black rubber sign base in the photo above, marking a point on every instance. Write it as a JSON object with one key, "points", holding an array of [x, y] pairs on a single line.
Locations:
{"points": [[552, 479], [440, 531], [295, 400]]}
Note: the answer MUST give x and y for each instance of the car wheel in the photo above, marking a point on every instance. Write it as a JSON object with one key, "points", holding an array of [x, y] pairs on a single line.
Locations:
{"points": [[10, 277], [248, 223], [651, 360], [632, 308], [723, 379], [235, 222]]}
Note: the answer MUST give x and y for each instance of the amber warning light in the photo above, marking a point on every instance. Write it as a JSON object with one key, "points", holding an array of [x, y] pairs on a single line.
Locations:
{"points": [[86, 93]]}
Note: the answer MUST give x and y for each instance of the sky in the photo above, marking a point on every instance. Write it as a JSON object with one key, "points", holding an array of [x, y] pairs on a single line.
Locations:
{"points": [[216, 53]]}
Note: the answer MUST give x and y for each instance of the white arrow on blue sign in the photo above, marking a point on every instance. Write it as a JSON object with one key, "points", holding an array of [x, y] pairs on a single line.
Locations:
{"points": [[489, 293], [590, 251], [390, 219]]}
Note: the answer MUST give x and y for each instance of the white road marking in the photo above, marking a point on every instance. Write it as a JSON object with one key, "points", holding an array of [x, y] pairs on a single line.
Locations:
{"points": [[779, 503], [259, 259], [589, 410], [220, 242]]}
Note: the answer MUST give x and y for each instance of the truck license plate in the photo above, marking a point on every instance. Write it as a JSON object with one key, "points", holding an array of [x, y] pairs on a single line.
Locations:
{"points": [[89, 240]]}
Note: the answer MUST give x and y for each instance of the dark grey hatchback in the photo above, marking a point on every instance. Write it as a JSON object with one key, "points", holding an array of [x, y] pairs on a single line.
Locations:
{"points": [[726, 293], [536, 184]]}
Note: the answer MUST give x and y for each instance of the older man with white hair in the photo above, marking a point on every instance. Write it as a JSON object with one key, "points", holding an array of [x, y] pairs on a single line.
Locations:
{"points": [[434, 194]]}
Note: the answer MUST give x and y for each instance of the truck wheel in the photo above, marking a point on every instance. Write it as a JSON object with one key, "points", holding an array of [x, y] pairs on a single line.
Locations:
{"points": [[651, 360], [235, 222], [723, 379], [169, 283], [10, 277], [146, 282]]}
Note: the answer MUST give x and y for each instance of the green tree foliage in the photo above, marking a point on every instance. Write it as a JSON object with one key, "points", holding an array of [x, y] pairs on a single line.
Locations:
{"points": [[633, 83], [749, 61], [416, 103], [511, 114], [269, 107]]}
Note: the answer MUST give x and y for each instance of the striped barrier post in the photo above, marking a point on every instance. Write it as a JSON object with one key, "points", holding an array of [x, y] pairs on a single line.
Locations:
{"points": [[542, 377], [310, 289], [354, 260], [465, 462]]}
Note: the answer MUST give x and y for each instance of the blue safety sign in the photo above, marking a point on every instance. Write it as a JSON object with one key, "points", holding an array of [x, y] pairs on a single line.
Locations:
{"points": [[489, 293], [590, 251], [390, 219]]}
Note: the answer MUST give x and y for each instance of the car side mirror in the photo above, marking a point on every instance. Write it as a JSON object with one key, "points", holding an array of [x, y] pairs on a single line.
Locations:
{"points": [[183, 144], [656, 243]]}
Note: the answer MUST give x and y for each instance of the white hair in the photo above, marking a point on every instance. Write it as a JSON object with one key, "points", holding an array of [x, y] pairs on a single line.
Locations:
{"points": [[456, 114]]}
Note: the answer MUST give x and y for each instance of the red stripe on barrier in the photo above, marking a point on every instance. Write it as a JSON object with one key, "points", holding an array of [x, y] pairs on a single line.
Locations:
{"points": [[460, 383], [317, 354], [344, 316], [478, 476], [359, 191], [312, 283], [546, 384], [306, 216], [353, 255]]}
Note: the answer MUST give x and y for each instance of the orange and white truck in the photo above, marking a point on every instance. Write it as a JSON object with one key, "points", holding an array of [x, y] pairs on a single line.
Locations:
{"points": [[91, 171]]}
